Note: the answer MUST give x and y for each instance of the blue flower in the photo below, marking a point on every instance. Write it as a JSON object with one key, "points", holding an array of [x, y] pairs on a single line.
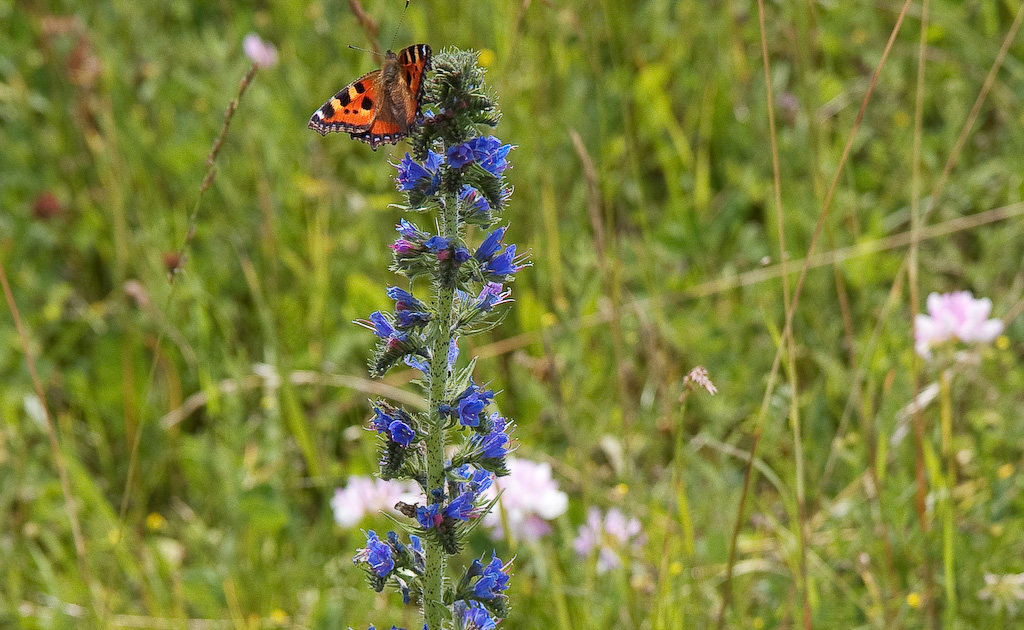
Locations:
{"points": [[429, 516], [377, 554], [487, 151], [413, 176], [437, 243], [490, 246], [461, 507], [492, 445], [404, 301], [490, 154], [502, 265], [381, 326], [380, 421], [469, 404], [453, 352], [469, 410], [493, 579], [461, 255], [401, 433], [419, 557], [409, 231], [412, 319], [492, 295], [472, 616], [417, 363], [409, 311], [460, 155], [472, 479], [434, 161], [472, 201]]}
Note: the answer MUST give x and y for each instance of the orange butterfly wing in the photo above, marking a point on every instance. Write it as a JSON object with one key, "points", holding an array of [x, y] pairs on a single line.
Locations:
{"points": [[382, 106], [351, 109], [414, 61]]}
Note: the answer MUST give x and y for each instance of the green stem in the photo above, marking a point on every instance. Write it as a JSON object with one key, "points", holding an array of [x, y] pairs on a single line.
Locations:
{"points": [[946, 406], [433, 578]]}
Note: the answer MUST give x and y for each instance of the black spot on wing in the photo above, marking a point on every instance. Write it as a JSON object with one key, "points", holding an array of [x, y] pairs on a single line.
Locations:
{"points": [[327, 111], [359, 87], [366, 104], [343, 97]]}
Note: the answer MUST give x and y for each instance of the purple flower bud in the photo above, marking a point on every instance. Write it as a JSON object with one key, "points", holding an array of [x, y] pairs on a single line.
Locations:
{"points": [[402, 246]]}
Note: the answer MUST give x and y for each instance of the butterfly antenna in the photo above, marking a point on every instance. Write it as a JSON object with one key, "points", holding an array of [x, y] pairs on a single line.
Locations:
{"points": [[372, 52], [400, 20]]}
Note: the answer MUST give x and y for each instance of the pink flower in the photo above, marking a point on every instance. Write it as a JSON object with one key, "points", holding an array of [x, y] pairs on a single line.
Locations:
{"points": [[366, 495], [699, 376], [955, 317], [609, 535], [261, 53], [531, 498]]}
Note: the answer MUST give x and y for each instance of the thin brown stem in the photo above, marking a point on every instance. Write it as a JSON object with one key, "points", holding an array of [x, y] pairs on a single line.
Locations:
{"points": [[368, 24], [70, 506]]}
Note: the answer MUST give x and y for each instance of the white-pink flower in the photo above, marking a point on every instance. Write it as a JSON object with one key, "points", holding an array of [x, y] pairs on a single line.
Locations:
{"points": [[531, 498], [261, 53], [1004, 591], [609, 535], [955, 317], [368, 495]]}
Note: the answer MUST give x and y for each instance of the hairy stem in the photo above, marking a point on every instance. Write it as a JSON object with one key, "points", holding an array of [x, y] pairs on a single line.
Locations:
{"points": [[433, 607]]}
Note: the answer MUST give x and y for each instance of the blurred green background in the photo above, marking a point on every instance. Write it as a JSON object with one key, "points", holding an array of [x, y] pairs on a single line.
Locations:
{"points": [[108, 111]]}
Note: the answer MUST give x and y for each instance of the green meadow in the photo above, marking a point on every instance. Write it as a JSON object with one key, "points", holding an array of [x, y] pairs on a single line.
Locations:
{"points": [[182, 387]]}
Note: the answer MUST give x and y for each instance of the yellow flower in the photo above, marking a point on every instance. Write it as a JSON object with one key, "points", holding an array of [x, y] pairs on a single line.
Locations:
{"points": [[1002, 342], [278, 616], [1005, 471], [675, 568], [757, 623], [486, 57], [913, 600], [622, 489], [155, 521]]}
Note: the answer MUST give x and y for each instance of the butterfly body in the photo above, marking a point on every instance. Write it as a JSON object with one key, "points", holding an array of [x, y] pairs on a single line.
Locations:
{"points": [[380, 107]]}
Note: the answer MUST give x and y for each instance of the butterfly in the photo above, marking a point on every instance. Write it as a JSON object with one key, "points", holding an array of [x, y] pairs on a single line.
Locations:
{"points": [[382, 106]]}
